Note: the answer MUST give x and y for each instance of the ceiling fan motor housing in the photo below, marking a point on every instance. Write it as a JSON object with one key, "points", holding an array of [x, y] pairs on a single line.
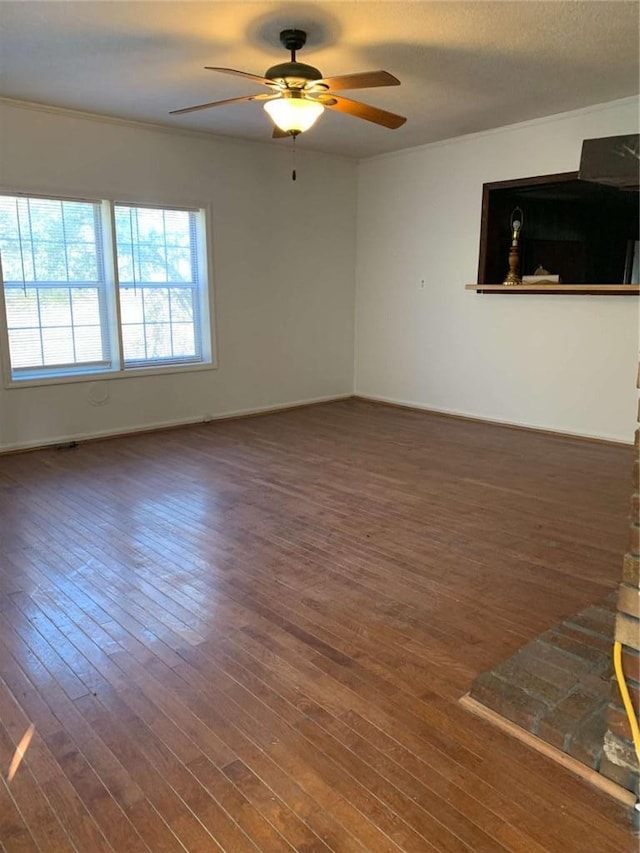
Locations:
{"points": [[292, 73]]}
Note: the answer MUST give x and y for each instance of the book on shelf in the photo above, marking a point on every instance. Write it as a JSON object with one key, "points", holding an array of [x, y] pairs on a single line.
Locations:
{"points": [[547, 278]]}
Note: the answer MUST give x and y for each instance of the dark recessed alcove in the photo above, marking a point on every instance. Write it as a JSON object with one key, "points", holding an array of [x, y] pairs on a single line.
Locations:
{"points": [[576, 229]]}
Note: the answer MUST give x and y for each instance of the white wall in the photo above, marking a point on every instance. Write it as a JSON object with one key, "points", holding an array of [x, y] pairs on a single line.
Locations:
{"points": [[284, 264], [284, 261], [564, 363]]}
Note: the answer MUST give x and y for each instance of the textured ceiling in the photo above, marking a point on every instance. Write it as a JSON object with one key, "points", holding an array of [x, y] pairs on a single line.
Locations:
{"points": [[464, 67]]}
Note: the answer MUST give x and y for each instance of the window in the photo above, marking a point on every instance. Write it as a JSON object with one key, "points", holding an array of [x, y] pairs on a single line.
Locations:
{"points": [[100, 287], [158, 271], [54, 286]]}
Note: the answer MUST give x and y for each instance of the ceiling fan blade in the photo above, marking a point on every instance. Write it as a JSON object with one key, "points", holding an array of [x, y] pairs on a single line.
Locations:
{"points": [[244, 74], [222, 103], [360, 110], [278, 133], [364, 80]]}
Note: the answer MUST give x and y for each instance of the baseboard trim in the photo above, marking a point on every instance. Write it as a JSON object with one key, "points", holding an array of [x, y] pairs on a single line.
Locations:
{"points": [[299, 404], [592, 777], [461, 416], [162, 426]]}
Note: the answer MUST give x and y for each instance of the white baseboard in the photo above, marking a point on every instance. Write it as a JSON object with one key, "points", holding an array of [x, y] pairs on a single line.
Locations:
{"points": [[171, 424], [469, 416]]}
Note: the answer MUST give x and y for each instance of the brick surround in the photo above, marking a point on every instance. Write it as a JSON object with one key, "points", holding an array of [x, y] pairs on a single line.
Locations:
{"points": [[620, 762]]}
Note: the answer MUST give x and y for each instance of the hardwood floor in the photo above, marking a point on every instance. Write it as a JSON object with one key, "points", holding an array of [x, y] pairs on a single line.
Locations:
{"points": [[253, 634]]}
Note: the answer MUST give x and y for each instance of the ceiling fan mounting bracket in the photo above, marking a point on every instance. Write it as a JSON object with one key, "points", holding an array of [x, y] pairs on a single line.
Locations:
{"points": [[293, 39]]}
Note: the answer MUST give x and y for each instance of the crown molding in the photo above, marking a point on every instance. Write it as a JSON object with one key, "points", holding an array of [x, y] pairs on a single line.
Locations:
{"points": [[508, 128], [50, 109], [157, 127]]}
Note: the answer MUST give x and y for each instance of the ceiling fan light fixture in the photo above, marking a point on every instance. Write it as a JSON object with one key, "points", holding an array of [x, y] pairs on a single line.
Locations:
{"points": [[299, 93], [293, 113]]}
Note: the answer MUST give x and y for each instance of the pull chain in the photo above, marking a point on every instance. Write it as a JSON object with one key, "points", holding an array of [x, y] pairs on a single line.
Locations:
{"points": [[293, 157]]}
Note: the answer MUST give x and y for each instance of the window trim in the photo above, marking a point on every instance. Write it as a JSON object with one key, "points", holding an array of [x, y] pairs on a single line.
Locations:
{"points": [[209, 335]]}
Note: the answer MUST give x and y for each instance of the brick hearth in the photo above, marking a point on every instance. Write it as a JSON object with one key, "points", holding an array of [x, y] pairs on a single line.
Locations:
{"points": [[558, 686]]}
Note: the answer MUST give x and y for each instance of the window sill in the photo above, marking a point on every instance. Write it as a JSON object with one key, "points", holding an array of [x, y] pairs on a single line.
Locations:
{"points": [[101, 376]]}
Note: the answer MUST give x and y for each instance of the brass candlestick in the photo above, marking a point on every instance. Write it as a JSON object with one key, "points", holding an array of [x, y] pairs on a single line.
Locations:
{"points": [[517, 218]]}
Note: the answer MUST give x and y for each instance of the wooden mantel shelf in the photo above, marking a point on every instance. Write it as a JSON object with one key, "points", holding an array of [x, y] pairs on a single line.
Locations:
{"points": [[584, 289]]}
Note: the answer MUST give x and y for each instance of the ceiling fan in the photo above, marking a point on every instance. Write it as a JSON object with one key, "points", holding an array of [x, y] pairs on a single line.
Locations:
{"points": [[299, 93]]}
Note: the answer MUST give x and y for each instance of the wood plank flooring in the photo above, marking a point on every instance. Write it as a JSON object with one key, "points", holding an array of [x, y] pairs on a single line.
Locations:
{"points": [[252, 635]]}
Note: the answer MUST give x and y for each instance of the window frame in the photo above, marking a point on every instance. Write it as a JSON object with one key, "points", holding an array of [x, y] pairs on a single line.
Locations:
{"points": [[119, 370]]}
